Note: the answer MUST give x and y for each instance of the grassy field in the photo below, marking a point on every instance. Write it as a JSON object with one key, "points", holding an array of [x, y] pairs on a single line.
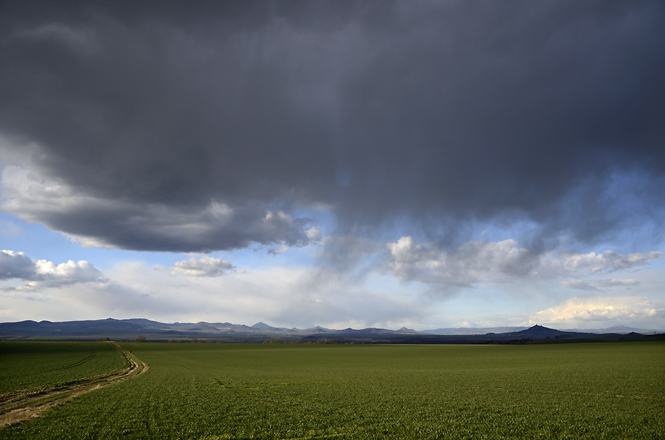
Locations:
{"points": [[50, 364], [231, 391]]}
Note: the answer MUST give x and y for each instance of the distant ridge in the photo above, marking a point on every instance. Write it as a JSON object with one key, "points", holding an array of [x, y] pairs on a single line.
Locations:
{"points": [[620, 329], [127, 329], [263, 326], [539, 332], [472, 330], [317, 329]]}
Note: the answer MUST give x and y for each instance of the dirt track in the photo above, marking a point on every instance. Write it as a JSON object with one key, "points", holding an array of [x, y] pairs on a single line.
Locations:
{"points": [[26, 404]]}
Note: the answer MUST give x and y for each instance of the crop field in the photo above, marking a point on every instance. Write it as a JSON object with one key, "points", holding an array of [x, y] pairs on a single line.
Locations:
{"points": [[51, 364], [232, 391]]}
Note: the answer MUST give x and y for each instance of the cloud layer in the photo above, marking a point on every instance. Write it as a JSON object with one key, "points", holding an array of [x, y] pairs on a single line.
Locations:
{"points": [[97, 221], [599, 310], [198, 129], [388, 157], [43, 274], [202, 267], [493, 262], [212, 289]]}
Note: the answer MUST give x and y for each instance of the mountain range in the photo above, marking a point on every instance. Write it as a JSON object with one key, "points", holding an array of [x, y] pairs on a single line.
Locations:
{"points": [[128, 329]]}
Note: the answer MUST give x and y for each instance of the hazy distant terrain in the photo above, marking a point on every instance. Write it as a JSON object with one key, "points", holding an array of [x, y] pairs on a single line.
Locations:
{"points": [[129, 329]]}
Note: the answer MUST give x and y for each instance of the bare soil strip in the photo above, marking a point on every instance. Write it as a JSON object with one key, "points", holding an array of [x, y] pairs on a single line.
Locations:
{"points": [[22, 405]]}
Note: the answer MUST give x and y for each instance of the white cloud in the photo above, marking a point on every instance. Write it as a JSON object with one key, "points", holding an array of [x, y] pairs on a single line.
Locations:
{"points": [[470, 263], [606, 262], [314, 233], [42, 274], [504, 261], [49, 274], [283, 248], [618, 282], [598, 285], [580, 310], [203, 267]]}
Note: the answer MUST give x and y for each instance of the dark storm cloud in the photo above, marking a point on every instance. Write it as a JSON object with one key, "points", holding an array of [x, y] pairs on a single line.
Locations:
{"points": [[434, 113]]}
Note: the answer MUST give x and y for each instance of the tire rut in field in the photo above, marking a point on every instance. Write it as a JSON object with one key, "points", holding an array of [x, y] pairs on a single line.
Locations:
{"points": [[18, 407], [241, 392], [88, 358]]}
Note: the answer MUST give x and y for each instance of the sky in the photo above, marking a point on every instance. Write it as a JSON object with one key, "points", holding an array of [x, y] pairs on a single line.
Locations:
{"points": [[355, 164]]}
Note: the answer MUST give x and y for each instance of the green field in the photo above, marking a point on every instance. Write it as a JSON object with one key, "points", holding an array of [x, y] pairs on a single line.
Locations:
{"points": [[28, 365], [229, 391]]}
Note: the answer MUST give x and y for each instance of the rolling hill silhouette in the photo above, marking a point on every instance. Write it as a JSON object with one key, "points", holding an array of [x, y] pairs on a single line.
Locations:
{"points": [[127, 329]]}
